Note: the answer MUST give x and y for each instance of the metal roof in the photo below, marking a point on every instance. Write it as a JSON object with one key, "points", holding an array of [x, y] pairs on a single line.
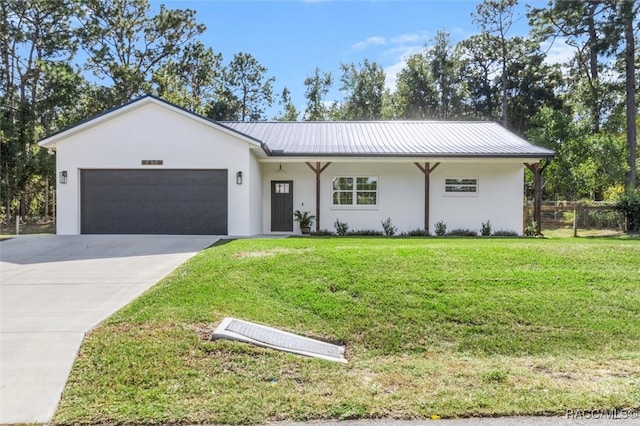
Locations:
{"points": [[389, 138]]}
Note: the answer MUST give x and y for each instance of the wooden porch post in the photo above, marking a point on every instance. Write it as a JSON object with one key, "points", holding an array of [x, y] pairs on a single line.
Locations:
{"points": [[426, 170], [537, 169], [317, 169]]}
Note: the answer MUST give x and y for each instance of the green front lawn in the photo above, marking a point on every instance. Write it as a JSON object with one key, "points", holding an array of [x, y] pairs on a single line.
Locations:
{"points": [[449, 327]]}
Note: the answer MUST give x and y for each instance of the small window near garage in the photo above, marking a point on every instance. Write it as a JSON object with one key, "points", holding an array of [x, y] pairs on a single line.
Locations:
{"points": [[282, 188], [461, 187], [354, 191]]}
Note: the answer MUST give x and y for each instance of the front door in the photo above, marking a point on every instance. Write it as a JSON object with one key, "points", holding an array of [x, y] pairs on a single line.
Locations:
{"points": [[282, 205]]}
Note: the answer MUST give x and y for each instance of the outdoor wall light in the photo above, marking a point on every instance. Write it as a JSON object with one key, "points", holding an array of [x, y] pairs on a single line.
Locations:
{"points": [[63, 176], [239, 178]]}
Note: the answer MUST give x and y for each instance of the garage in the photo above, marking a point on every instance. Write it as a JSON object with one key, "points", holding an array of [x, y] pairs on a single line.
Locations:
{"points": [[178, 202]]}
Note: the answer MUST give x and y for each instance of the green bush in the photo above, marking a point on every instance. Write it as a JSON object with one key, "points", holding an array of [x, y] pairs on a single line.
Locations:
{"points": [[505, 233], [486, 229], [441, 228], [416, 233], [365, 233], [389, 229], [531, 229], [629, 205], [323, 233], [600, 219], [462, 232], [341, 227]]}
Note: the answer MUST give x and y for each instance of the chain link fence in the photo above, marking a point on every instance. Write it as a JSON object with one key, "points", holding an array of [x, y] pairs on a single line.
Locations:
{"points": [[578, 216]]}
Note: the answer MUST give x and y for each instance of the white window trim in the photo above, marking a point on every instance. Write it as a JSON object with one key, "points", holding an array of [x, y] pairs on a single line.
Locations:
{"points": [[355, 190], [462, 194]]}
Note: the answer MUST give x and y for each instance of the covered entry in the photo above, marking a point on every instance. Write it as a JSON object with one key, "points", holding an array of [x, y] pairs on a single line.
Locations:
{"points": [[179, 202]]}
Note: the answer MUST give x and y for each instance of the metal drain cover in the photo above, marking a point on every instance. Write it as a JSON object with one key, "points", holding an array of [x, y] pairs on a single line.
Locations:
{"points": [[268, 337]]}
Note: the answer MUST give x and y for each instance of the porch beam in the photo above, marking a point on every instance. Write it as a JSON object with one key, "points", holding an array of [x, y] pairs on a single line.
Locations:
{"points": [[537, 169], [317, 169], [426, 170]]}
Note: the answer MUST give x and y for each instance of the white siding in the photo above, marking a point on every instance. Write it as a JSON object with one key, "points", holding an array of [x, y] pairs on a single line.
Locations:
{"points": [[153, 132], [255, 198], [499, 199], [401, 195]]}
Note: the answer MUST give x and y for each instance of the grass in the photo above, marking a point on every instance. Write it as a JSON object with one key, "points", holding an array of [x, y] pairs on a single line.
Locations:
{"points": [[452, 327], [9, 229]]}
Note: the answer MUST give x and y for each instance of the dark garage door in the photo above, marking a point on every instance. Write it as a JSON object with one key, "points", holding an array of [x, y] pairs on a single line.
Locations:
{"points": [[180, 202]]}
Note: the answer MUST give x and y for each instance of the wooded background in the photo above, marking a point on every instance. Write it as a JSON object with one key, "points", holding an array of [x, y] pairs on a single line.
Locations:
{"points": [[585, 109]]}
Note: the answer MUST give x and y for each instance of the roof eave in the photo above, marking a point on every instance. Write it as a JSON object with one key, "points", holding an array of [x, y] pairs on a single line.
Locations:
{"points": [[542, 156]]}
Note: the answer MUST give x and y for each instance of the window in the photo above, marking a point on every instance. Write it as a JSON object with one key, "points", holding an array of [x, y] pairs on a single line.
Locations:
{"points": [[461, 186], [281, 188], [355, 191]]}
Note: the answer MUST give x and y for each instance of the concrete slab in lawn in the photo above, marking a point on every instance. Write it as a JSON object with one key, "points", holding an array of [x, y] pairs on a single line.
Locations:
{"points": [[54, 289]]}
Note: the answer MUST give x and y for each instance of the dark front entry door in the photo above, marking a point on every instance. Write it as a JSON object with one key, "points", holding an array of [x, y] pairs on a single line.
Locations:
{"points": [[282, 205]]}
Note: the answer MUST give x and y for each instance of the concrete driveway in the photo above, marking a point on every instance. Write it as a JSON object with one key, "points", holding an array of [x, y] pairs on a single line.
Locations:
{"points": [[53, 290]]}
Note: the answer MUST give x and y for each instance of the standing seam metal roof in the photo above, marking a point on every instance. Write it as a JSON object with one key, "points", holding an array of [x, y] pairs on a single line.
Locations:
{"points": [[390, 138]]}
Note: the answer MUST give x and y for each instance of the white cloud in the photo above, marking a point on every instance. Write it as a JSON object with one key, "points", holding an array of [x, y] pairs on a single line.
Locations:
{"points": [[401, 55], [420, 37], [559, 52], [393, 50], [370, 41], [402, 47]]}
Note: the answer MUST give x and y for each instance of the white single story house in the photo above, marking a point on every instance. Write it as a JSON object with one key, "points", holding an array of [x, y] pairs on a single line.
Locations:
{"points": [[150, 167]]}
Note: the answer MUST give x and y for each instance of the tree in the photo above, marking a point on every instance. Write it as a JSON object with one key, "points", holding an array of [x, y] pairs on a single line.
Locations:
{"points": [[415, 89], [445, 64], [586, 165], [225, 106], [496, 17], [597, 29], [364, 89], [38, 85], [290, 112], [478, 68], [247, 88], [317, 87], [623, 22], [128, 45], [431, 86], [193, 80], [577, 23], [531, 84]]}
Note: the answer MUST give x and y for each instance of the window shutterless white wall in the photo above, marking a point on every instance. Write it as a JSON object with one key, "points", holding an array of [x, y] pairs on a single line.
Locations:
{"points": [[401, 195], [499, 198]]}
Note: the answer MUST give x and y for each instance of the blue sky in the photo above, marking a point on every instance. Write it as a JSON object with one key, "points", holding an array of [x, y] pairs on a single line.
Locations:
{"points": [[292, 37]]}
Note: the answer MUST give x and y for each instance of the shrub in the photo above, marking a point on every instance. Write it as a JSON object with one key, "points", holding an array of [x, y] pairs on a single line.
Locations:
{"points": [[600, 219], [505, 233], [486, 229], [629, 205], [440, 229], [462, 232], [531, 229], [365, 233], [323, 232], [416, 233], [389, 229], [341, 227], [305, 219]]}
